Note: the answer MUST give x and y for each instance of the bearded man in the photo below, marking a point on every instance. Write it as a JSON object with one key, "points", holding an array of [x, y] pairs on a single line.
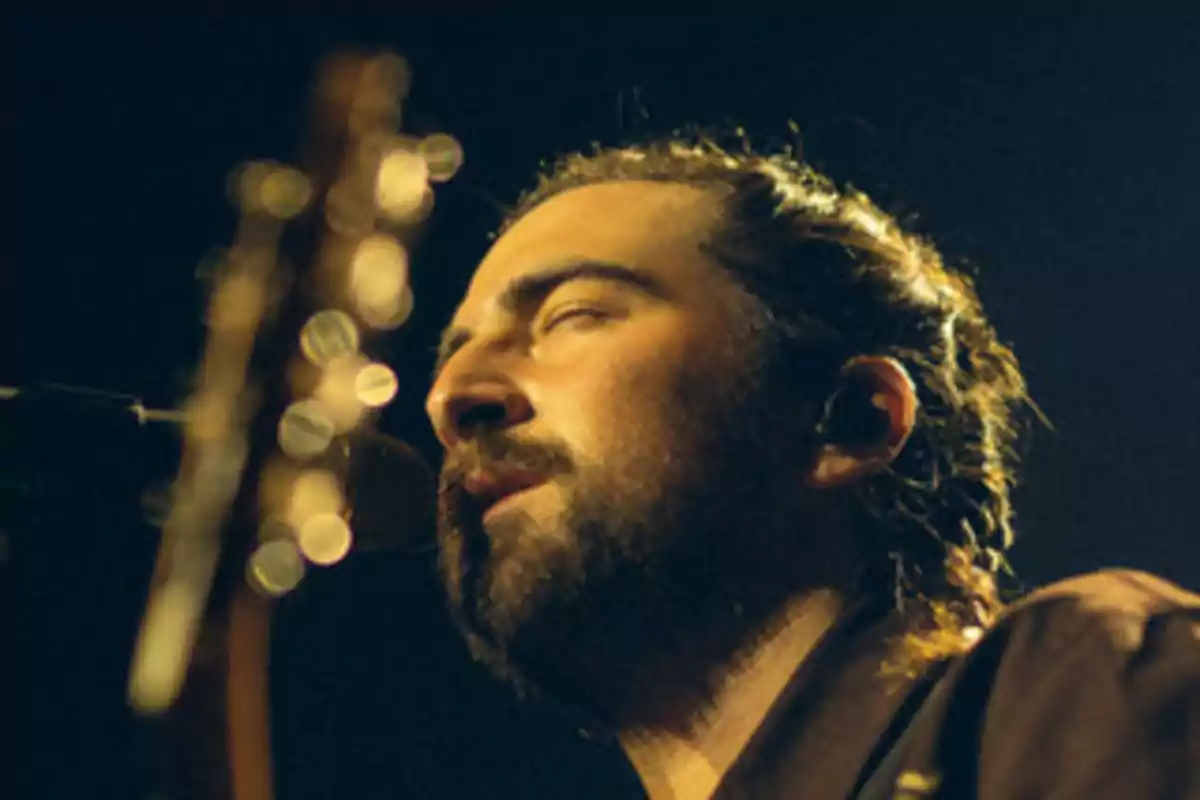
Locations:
{"points": [[728, 461]]}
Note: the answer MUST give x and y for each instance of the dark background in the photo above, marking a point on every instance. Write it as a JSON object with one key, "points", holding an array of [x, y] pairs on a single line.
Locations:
{"points": [[1060, 154]]}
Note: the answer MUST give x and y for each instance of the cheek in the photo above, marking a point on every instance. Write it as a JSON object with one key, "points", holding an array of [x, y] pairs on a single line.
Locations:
{"points": [[632, 407]]}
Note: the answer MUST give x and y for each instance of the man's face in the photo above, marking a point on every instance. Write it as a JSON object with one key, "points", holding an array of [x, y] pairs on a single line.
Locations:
{"points": [[663, 460]]}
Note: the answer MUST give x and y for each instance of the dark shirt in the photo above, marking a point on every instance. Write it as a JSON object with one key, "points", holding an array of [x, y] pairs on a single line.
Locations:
{"points": [[1087, 688]]}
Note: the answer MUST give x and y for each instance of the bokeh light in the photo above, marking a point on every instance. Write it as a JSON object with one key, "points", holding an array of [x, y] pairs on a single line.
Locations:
{"points": [[400, 185], [276, 567], [378, 272], [284, 192], [390, 316], [315, 491], [305, 429], [375, 385], [443, 155], [325, 539], [328, 335], [349, 207], [271, 188], [337, 394]]}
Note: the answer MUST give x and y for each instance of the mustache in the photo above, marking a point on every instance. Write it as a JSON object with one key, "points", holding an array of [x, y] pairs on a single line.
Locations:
{"points": [[500, 453]]}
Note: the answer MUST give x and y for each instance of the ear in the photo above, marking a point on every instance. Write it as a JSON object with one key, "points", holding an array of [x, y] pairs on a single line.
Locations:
{"points": [[867, 422]]}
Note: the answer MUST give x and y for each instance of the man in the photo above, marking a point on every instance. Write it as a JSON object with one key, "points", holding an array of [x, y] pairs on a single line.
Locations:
{"points": [[728, 459]]}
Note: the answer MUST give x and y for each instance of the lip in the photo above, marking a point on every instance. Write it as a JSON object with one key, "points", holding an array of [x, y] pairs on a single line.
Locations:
{"points": [[491, 486], [503, 502]]}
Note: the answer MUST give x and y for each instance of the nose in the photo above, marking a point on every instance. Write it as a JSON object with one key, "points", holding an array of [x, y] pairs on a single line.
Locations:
{"points": [[459, 407]]}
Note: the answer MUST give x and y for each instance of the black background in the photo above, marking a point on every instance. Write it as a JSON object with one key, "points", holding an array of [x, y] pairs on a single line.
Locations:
{"points": [[1060, 154]]}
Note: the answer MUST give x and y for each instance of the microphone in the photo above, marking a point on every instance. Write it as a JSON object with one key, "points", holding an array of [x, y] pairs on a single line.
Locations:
{"points": [[391, 491]]}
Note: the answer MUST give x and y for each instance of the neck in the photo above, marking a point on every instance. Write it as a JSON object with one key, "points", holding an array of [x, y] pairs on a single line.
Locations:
{"points": [[688, 761]]}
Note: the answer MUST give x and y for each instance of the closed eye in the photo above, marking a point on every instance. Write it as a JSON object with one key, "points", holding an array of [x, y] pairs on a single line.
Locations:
{"points": [[573, 313]]}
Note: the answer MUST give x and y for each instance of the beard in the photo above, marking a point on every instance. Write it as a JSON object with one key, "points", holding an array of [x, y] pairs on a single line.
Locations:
{"points": [[624, 605]]}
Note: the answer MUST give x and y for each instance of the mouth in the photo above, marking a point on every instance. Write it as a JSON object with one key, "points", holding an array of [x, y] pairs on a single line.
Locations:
{"points": [[495, 492], [504, 501]]}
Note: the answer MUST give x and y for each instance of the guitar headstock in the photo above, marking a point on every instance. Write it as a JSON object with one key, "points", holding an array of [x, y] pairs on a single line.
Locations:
{"points": [[318, 270]]}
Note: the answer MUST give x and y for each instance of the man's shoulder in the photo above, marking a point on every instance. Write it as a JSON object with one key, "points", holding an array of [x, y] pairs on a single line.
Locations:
{"points": [[1086, 687], [1110, 591], [1098, 621]]}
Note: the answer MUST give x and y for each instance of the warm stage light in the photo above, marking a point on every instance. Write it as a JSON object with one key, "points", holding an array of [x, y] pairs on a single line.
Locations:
{"points": [[378, 272], [315, 491], [391, 315], [305, 430], [325, 539], [338, 394], [276, 567], [401, 184], [328, 335], [443, 154], [270, 188], [375, 385], [284, 192]]}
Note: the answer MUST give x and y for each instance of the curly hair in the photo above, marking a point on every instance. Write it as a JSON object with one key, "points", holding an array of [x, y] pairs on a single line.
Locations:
{"points": [[837, 277]]}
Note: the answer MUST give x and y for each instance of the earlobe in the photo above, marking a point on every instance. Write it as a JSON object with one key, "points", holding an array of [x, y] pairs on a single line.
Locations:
{"points": [[835, 467]]}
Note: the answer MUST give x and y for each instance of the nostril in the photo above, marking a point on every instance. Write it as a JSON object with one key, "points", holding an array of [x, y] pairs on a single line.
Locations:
{"points": [[461, 412]]}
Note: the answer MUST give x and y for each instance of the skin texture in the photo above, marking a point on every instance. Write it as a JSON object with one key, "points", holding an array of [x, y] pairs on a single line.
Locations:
{"points": [[688, 511]]}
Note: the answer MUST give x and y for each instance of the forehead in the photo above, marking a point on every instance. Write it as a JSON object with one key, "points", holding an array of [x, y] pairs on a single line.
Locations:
{"points": [[652, 227]]}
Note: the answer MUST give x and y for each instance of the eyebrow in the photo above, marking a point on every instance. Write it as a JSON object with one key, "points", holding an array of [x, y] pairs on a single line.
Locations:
{"points": [[527, 289]]}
